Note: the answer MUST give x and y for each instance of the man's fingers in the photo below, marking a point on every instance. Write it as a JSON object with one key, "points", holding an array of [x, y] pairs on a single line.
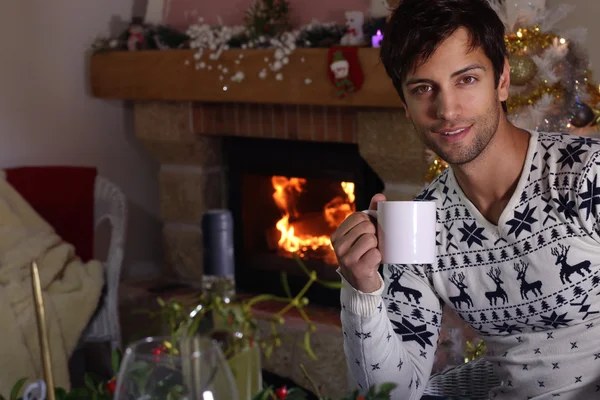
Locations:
{"points": [[364, 243], [348, 224], [376, 199], [349, 239], [371, 258]]}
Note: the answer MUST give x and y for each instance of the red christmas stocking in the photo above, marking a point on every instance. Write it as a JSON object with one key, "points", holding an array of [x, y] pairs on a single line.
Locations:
{"points": [[344, 70]]}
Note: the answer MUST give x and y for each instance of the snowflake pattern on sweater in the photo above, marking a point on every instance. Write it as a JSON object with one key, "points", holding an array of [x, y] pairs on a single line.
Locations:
{"points": [[530, 285]]}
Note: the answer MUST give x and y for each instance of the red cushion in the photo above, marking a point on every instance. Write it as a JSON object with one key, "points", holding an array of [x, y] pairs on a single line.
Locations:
{"points": [[64, 197]]}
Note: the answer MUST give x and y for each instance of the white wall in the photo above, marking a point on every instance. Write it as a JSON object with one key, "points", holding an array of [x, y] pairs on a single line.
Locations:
{"points": [[47, 117], [586, 14]]}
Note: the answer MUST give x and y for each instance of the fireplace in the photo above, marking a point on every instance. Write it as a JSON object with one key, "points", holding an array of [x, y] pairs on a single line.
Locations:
{"points": [[288, 197]]}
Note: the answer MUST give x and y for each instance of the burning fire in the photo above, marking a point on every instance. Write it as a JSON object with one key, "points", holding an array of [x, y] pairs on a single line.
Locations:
{"points": [[287, 190]]}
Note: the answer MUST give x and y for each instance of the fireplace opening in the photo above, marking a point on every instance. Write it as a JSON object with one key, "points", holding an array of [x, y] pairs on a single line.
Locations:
{"points": [[288, 197], [311, 210]]}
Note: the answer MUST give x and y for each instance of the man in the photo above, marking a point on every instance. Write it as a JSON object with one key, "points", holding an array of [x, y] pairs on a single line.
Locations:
{"points": [[518, 250]]}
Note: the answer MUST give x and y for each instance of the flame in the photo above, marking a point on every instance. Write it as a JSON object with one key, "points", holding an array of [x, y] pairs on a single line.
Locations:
{"points": [[286, 191], [348, 188]]}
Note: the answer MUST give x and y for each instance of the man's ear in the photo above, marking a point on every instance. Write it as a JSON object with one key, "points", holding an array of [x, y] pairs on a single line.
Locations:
{"points": [[504, 82], [403, 102]]}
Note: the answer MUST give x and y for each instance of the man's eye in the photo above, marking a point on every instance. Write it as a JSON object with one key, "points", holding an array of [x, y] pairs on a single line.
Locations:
{"points": [[421, 89], [468, 80]]}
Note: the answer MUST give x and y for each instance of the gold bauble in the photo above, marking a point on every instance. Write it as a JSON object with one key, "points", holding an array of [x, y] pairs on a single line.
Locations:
{"points": [[474, 350], [436, 167], [522, 69]]}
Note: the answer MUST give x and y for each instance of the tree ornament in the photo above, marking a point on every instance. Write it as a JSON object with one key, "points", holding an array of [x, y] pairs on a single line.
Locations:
{"points": [[474, 351], [436, 167], [345, 71], [522, 69], [583, 115]]}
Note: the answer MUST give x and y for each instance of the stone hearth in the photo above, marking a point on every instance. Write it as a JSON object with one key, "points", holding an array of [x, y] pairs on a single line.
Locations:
{"points": [[186, 139]]}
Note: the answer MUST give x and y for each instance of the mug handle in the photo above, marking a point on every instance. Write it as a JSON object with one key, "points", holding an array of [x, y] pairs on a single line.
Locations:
{"points": [[370, 213]]}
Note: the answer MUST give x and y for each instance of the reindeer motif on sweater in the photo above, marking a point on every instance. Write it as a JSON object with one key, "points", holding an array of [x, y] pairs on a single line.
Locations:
{"points": [[529, 285]]}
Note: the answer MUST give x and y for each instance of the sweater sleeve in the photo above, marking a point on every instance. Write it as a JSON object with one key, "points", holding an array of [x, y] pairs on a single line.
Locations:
{"points": [[588, 196], [391, 335]]}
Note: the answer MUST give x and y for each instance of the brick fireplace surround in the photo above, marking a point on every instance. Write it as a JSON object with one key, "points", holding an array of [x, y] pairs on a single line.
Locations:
{"points": [[186, 138]]}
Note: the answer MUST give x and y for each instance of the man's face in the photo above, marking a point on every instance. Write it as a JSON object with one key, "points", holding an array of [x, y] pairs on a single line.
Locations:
{"points": [[452, 99]]}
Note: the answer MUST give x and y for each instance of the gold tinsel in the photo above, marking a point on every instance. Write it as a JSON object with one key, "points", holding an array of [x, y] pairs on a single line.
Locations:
{"points": [[517, 101], [594, 93], [528, 40], [436, 167], [474, 351], [523, 43]]}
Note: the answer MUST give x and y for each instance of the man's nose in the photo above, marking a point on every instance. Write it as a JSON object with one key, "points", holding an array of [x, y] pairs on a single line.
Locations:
{"points": [[447, 106]]}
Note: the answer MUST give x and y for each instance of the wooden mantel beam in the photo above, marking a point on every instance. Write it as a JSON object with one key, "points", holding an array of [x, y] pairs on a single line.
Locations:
{"points": [[171, 75]]}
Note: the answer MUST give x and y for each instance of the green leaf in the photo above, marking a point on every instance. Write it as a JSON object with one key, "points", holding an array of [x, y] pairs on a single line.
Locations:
{"points": [[16, 389], [263, 394], [60, 393], [296, 394], [116, 360], [386, 388], [371, 392], [89, 382], [94, 396], [78, 394], [160, 302]]}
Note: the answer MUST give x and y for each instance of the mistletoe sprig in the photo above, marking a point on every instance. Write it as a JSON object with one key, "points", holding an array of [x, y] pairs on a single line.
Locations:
{"points": [[186, 314]]}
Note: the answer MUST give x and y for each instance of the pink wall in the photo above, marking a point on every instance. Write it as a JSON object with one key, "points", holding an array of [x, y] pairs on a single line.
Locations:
{"points": [[232, 11]]}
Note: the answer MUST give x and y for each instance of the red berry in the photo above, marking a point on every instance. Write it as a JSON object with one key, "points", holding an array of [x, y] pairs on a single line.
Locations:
{"points": [[360, 398], [111, 385], [281, 393], [157, 351], [251, 342]]}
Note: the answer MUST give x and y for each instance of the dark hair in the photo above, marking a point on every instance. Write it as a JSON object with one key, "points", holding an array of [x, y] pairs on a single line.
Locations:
{"points": [[417, 27]]}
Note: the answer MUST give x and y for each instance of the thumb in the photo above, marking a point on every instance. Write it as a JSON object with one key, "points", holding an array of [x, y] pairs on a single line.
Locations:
{"points": [[376, 199]]}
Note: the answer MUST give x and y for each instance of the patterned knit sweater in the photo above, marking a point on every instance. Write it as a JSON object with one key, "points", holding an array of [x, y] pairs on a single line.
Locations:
{"points": [[530, 285]]}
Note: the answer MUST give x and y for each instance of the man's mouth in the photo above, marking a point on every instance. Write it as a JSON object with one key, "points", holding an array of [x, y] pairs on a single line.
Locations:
{"points": [[451, 132]]}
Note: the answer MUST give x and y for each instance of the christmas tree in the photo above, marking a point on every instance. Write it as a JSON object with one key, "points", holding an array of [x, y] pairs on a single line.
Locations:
{"points": [[552, 88]]}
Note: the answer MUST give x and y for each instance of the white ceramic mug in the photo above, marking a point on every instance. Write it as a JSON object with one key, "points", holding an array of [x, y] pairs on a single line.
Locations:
{"points": [[406, 231]]}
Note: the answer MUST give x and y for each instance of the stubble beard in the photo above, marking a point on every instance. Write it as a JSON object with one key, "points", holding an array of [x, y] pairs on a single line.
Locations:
{"points": [[484, 127]]}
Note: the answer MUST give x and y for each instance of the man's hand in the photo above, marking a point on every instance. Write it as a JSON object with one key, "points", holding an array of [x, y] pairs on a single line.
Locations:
{"points": [[355, 245]]}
